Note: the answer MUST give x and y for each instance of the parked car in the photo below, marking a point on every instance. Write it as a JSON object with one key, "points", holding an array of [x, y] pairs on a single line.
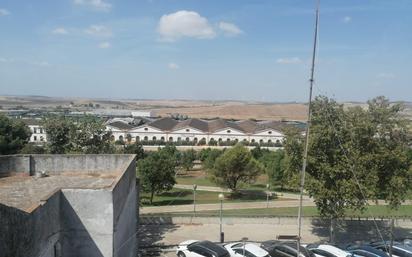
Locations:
{"points": [[365, 251], [406, 241], [325, 250], [398, 249], [241, 249], [285, 249], [195, 248]]}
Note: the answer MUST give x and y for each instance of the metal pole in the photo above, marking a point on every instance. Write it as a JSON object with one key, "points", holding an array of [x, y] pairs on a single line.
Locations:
{"points": [[391, 246], [194, 200], [267, 195], [221, 207], [305, 154]]}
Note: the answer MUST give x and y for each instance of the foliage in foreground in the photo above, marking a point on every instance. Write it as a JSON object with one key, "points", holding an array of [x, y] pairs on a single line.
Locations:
{"points": [[84, 135], [14, 135], [157, 171], [236, 165], [354, 155]]}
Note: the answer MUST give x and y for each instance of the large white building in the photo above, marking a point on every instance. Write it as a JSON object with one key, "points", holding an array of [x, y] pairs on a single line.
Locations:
{"points": [[190, 130], [171, 130]]}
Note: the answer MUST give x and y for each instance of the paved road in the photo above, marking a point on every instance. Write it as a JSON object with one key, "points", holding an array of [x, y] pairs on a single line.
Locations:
{"points": [[220, 189], [242, 205], [226, 206]]}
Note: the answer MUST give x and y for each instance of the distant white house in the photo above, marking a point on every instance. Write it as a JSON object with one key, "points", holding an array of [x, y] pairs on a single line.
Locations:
{"points": [[38, 134], [143, 113]]}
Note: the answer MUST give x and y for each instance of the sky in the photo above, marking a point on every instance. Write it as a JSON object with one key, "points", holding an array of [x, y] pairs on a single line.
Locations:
{"points": [[255, 50]]}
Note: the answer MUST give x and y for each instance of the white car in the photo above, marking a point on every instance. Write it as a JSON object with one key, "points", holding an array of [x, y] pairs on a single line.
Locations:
{"points": [[324, 250], [195, 248], [241, 249]]}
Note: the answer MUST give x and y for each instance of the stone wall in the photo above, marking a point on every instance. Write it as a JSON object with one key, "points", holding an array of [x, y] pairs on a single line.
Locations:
{"points": [[57, 163], [73, 222], [14, 164], [30, 234], [124, 214]]}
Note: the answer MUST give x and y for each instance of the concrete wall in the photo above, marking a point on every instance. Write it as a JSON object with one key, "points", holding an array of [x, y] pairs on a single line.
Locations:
{"points": [[56, 163], [90, 163], [87, 221], [11, 164], [124, 210], [73, 222], [35, 234]]}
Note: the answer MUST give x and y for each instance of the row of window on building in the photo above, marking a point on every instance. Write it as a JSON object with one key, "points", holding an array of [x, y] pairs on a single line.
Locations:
{"points": [[187, 139]]}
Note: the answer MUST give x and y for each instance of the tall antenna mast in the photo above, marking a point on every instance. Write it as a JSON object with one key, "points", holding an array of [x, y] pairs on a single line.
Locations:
{"points": [[305, 153]]}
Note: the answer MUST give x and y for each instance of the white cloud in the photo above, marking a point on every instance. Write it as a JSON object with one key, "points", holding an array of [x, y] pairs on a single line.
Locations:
{"points": [[183, 23], [173, 66], [60, 31], [99, 31], [385, 75], [104, 45], [290, 60], [4, 12], [347, 19], [99, 5], [41, 63], [230, 29]]}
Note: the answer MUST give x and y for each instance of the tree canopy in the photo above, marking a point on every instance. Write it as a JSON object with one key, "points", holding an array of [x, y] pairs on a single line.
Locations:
{"points": [[157, 172], [234, 166], [83, 135], [354, 155], [14, 135]]}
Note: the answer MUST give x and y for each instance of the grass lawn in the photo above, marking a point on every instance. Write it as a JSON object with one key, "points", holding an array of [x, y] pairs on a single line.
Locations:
{"points": [[376, 211], [183, 196], [200, 178]]}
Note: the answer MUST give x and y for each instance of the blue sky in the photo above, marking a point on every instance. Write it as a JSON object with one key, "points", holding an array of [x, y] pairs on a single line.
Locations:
{"points": [[198, 49]]}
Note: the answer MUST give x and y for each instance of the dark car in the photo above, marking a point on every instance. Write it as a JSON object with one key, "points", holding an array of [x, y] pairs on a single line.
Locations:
{"points": [[398, 249], [285, 249], [365, 251]]}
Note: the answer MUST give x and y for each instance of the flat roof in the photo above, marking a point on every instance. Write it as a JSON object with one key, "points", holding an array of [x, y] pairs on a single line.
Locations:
{"points": [[27, 192]]}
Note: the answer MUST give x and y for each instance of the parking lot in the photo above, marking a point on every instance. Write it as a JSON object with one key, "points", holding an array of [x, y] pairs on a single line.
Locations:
{"points": [[161, 234]]}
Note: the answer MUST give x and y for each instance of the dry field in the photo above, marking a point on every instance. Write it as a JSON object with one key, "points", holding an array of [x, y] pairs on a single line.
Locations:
{"points": [[191, 108]]}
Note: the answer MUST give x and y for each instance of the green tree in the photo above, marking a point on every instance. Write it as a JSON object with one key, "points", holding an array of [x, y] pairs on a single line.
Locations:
{"points": [[273, 161], [58, 129], [31, 148], [236, 165], [14, 135], [187, 159], [354, 155], [85, 135], [89, 136], [210, 159], [137, 149], [157, 172], [204, 153], [292, 162]]}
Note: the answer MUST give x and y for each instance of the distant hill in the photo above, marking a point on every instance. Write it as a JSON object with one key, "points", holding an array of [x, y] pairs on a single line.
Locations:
{"points": [[193, 108]]}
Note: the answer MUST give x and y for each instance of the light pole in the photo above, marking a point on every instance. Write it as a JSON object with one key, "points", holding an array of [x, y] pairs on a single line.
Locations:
{"points": [[222, 236], [194, 199], [267, 195], [244, 239]]}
